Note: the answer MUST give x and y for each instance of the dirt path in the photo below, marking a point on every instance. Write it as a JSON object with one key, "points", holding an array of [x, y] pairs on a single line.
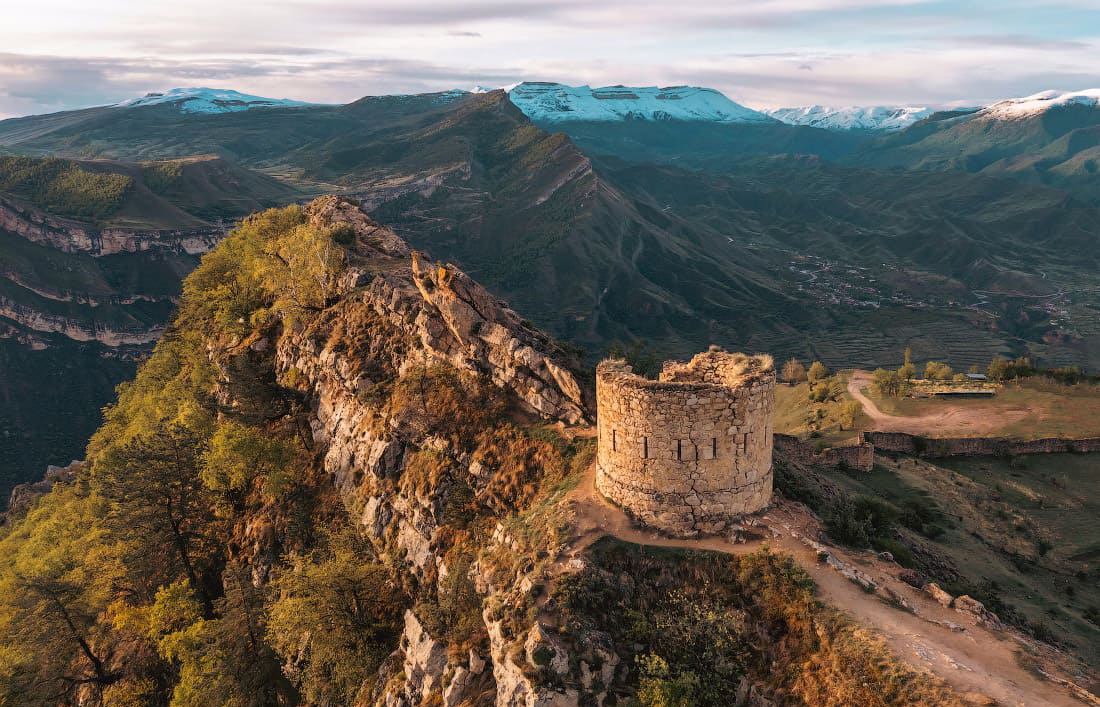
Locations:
{"points": [[975, 661], [948, 421]]}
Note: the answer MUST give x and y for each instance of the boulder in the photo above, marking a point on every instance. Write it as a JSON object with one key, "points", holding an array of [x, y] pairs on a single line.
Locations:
{"points": [[933, 590]]}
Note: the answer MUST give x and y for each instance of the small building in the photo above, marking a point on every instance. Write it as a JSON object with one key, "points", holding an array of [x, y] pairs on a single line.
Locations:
{"points": [[975, 376], [965, 393]]}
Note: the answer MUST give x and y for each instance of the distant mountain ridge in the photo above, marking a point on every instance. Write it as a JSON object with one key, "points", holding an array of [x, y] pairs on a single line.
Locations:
{"points": [[555, 102], [1041, 102], [208, 100], [869, 118]]}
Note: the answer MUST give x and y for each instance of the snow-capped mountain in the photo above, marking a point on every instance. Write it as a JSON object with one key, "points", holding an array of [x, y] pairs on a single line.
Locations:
{"points": [[1038, 103], [209, 100], [870, 118], [555, 102]]}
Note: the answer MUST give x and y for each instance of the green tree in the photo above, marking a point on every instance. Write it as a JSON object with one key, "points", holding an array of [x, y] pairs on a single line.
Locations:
{"points": [[794, 372], [55, 581], [299, 266], [658, 687], [238, 454], [907, 372], [849, 412], [225, 660], [820, 392], [886, 383], [818, 372], [935, 370], [336, 616], [159, 510]]}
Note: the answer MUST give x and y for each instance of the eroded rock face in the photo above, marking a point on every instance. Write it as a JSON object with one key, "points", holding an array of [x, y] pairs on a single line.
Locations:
{"points": [[71, 236], [23, 496], [399, 311], [425, 660]]}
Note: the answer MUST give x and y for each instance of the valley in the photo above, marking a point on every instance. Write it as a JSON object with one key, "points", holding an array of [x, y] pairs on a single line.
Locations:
{"points": [[550, 354], [668, 234]]}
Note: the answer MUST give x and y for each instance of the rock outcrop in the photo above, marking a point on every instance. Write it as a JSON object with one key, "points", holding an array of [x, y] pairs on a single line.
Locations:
{"points": [[71, 236], [399, 312], [23, 496]]}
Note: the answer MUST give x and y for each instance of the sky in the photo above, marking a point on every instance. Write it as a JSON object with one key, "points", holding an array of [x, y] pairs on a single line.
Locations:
{"points": [[63, 54]]}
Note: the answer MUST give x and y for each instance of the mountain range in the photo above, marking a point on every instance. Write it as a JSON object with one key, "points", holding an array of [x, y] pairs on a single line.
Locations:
{"points": [[669, 216]]}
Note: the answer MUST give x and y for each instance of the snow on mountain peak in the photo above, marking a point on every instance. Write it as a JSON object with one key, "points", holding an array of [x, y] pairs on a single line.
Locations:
{"points": [[877, 118], [208, 100], [1040, 102], [555, 102]]}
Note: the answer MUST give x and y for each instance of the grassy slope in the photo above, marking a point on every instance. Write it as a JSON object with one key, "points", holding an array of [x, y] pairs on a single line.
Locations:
{"points": [[1049, 409], [1001, 515]]}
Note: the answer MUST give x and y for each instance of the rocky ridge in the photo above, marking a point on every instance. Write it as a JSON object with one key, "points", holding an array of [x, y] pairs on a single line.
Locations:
{"points": [[402, 311]]}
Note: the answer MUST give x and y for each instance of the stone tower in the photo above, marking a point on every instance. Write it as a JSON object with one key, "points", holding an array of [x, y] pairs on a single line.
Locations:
{"points": [[691, 451]]}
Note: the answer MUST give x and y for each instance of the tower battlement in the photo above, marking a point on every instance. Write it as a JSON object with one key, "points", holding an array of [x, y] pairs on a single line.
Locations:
{"points": [[691, 451]]}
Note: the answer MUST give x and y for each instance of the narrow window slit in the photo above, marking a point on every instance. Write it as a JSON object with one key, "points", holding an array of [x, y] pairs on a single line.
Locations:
{"points": [[645, 447], [679, 451], [614, 441], [713, 447]]}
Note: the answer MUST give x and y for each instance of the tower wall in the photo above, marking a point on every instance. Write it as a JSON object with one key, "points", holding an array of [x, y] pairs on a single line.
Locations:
{"points": [[691, 451]]}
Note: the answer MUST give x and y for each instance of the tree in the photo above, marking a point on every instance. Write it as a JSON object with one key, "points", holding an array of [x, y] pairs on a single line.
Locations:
{"points": [[907, 371], [238, 454], [55, 581], [934, 370], [225, 660], [794, 372], [848, 414], [658, 687], [355, 604], [886, 383], [909, 357], [817, 372], [159, 510], [820, 392]]}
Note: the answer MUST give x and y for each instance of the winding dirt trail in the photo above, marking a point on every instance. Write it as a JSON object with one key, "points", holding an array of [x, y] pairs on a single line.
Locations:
{"points": [[948, 421], [977, 662]]}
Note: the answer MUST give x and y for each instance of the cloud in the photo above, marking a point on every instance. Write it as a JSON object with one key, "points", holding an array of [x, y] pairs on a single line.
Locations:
{"points": [[764, 53]]}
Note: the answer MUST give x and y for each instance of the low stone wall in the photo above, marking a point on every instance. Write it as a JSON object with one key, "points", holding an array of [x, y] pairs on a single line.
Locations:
{"points": [[860, 457], [930, 447]]}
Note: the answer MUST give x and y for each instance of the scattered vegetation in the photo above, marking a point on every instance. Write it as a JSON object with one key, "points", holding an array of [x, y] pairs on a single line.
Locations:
{"points": [[699, 624], [64, 188]]}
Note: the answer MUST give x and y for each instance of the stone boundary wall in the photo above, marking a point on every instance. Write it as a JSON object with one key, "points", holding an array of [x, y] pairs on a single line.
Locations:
{"points": [[931, 447], [860, 457], [693, 451]]}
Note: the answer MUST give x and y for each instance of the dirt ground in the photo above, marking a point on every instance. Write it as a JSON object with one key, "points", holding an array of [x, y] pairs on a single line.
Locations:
{"points": [[948, 421], [979, 663]]}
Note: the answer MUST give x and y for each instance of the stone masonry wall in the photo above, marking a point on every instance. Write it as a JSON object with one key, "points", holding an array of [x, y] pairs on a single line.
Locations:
{"points": [[692, 451], [901, 443], [859, 457]]}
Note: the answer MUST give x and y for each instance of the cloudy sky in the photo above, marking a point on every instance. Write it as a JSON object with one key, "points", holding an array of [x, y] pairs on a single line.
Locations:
{"points": [[59, 54]]}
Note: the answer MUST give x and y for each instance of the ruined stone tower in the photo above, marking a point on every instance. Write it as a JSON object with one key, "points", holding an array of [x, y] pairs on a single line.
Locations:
{"points": [[691, 451]]}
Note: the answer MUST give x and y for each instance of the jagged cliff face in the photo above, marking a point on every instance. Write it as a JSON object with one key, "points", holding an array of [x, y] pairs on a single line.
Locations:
{"points": [[426, 325], [69, 236], [79, 304]]}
